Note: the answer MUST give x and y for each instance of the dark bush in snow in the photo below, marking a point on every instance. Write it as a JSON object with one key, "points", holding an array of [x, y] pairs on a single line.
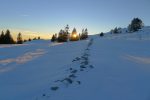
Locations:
{"points": [[29, 39], [101, 34]]}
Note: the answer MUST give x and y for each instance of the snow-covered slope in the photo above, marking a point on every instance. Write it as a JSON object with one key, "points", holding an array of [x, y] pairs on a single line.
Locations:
{"points": [[26, 70], [113, 67], [142, 34]]}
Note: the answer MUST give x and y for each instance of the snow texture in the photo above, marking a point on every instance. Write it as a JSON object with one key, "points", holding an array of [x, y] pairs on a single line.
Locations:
{"points": [[113, 67]]}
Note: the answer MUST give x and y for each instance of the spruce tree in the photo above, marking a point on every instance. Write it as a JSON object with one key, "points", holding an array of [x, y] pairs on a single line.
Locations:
{"points": [[67, 29], [39, 38], [74, 36], [84, 34], [2, 38], [62, 36], [135, 25], [115, 30], [19, 39], [8, 38], [53, 38]]}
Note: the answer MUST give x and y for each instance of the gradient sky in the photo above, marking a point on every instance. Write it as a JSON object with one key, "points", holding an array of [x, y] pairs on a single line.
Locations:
{"points": [[43, 17]]}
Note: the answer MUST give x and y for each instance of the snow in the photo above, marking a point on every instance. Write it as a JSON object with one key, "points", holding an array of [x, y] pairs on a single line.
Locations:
{"points": [[144, 60], [142, 34], [113, 67], [119, 78], [24, 58], [41, 64]]}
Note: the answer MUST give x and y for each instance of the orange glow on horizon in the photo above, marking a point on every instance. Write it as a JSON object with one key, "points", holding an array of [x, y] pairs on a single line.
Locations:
{"points": [[29, 34]]}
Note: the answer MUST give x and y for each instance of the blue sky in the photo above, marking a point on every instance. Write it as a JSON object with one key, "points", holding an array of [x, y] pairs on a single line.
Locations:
{"points": [[49, 16]]}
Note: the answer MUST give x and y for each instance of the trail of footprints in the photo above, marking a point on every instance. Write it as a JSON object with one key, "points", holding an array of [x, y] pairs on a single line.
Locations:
{"points": [[74, 71]]}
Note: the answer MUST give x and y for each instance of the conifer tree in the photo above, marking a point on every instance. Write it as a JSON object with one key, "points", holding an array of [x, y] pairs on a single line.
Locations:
{"points": [[74, 36], [39, 38], [8, 38], [53, 38], [19, 39], [84, 34], [2, 38], [62, 36], [115, 30], [67, 29], [135, 25]]}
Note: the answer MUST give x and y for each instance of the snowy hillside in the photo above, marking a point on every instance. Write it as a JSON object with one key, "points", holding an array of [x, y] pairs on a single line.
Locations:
{"points": [[113, 67], [142, 34]]}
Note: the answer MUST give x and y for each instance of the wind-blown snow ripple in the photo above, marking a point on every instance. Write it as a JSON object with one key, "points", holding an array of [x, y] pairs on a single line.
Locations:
{"points": [[21, 59]]}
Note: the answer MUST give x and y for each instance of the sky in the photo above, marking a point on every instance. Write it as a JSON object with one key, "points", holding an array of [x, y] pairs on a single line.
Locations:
{"points": [[46, 17]]}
